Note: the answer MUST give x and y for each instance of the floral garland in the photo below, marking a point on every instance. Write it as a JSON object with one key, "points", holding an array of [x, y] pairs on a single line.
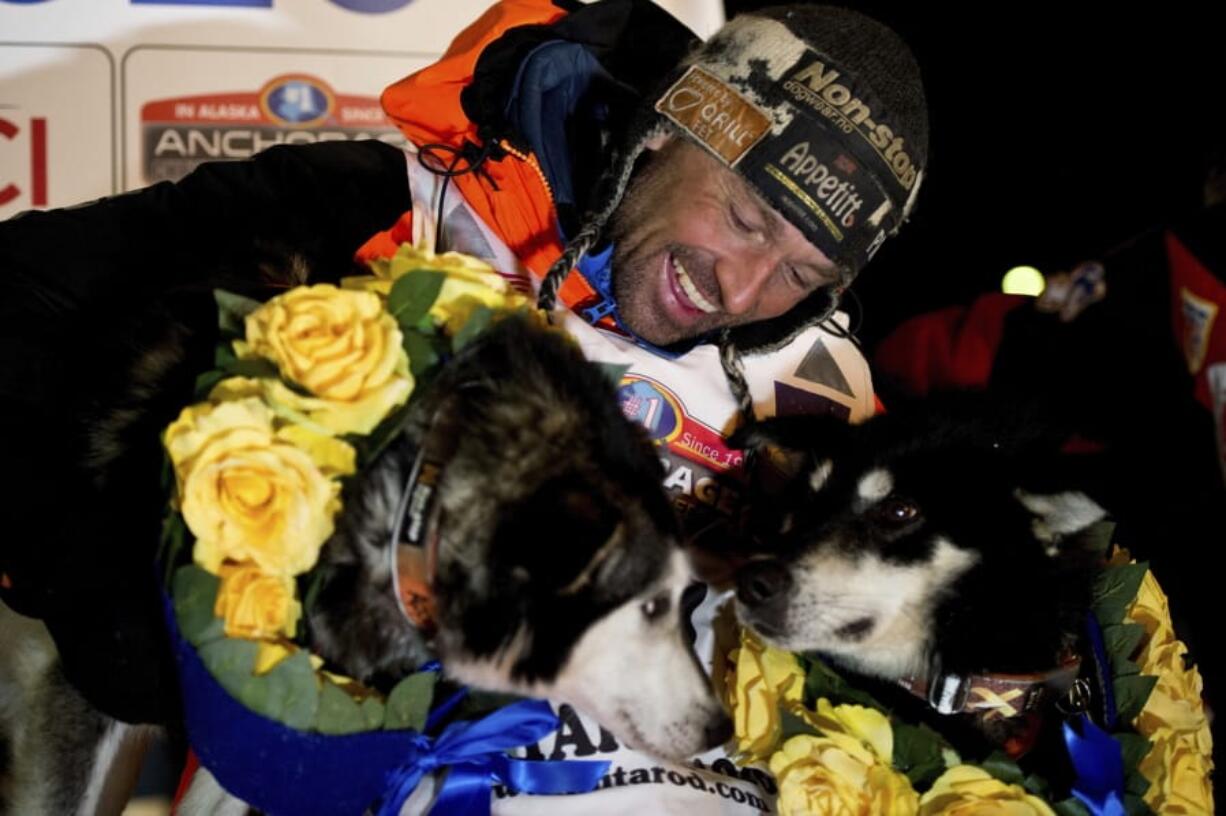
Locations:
{"points": [[307, 389], [835, 750]]}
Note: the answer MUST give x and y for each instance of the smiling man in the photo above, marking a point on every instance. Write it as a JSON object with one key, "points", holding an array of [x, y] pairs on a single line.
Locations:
{"points": [[749, 187], [696, 249]]}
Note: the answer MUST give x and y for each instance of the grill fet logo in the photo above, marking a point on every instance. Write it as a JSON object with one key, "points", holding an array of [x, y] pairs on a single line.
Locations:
{"points": [[714, 114]]}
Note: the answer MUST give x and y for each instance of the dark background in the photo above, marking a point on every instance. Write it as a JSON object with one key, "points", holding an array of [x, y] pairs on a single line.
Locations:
{"points": [[1058, 131]]}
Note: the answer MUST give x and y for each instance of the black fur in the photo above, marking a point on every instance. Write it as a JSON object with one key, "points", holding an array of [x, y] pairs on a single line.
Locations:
{"points": [[546, 469], [1014, 609]]}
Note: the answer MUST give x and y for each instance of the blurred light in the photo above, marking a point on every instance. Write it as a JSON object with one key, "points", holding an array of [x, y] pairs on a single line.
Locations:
{"points": [[1023, 280]]}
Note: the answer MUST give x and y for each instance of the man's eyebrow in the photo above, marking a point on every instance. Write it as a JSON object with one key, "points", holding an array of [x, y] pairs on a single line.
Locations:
{"points": [[775, 221]]}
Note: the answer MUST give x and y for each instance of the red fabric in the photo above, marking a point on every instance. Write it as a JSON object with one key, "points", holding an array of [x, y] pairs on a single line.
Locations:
{"points": [[952, 348], [1197, 300], [190, 765]]}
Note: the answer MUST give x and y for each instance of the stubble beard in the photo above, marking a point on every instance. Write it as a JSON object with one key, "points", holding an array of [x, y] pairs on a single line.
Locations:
{"points": [[638, 259]]}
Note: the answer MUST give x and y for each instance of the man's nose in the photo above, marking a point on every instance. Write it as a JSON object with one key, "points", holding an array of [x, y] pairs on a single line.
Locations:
{"points": [[742, 277]]}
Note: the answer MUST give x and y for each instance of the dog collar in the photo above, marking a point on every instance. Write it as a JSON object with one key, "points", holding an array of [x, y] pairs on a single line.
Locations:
{"points": [[992, 696], [414, 550]]}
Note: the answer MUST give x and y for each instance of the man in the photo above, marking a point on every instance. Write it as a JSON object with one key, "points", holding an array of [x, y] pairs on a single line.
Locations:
{"points": [[711, 202]]}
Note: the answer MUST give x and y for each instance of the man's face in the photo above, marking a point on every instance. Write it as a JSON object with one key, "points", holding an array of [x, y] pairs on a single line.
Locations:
{"points": [[696, 249]]}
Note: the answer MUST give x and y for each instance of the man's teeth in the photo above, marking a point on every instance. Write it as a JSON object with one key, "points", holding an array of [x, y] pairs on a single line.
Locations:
{"points": [[691, 291]]}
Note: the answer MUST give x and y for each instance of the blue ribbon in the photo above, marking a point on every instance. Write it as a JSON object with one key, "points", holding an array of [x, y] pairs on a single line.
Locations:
{"points": [[475, 754], [1098, 761]]}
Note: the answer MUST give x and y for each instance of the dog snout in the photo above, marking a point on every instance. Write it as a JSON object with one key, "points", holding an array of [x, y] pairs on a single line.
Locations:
{"points": [[717, 731], [763, 583]]}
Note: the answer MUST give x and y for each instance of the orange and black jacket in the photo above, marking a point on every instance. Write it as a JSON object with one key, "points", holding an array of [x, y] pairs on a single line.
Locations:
{"points": [[85, 291]]}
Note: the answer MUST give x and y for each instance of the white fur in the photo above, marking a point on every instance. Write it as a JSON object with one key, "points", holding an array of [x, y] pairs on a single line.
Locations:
{"points": [[1059, 514], [666, 707], [820, 475], [834, 590], [875, 485]]}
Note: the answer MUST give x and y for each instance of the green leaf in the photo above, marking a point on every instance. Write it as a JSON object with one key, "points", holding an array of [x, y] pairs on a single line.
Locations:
{"points": [[409, 702], [205, 383], [478, 321], [420, 349], [917, 753], [1038, 786], [1122, 639], [1070, 807], [256, 368], [790, 726], [195, 593], [1097, 538], [413, 294], [223, 356], [1003, 768], [1135, 806], [373, 712], [338, 712], [1135, 782], [1131, 694], [613, 372], [287, 694], [232, 311], [823, 681], [1133, 747], [1115, 588], [231, 662], [1123, 667]]}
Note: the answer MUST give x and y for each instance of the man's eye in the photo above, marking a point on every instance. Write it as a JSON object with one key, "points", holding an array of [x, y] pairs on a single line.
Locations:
{"points": [[740, 223], [803, 280]]}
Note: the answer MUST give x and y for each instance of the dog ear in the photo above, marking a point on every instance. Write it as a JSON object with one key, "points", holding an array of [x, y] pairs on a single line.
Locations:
{"points": [[790, 447], [550, 539]]}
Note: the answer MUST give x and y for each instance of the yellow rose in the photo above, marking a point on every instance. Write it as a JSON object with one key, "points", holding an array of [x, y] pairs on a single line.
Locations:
{"points": [[764, 679], [835, 775], [969, 790], [1151, 610], [867, 725], [1179, 774], [254, 605], [467, 284], [460, 297], [244, 493], [341, 346]]}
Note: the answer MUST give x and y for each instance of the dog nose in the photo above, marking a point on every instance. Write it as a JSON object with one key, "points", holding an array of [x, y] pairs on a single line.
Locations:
{"points": [[717, 731], [762, 582]]}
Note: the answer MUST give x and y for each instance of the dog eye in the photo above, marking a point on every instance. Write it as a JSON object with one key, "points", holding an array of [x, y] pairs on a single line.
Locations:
{"points": [[898, 511], [656, 608]]}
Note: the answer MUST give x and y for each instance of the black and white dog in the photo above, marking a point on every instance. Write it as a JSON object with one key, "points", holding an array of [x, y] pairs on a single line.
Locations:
{"points": [[915, 548], [556, 565]]}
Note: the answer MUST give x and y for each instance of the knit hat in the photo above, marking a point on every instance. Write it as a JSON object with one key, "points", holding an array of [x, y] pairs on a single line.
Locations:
{"points": [[821, 109]]}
